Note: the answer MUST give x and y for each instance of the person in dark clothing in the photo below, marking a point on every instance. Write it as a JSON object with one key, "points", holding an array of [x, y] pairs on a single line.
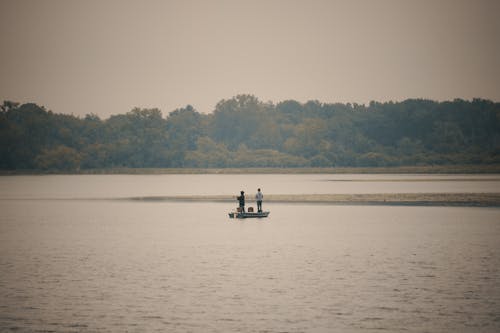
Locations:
{"points": [[241, 199]]}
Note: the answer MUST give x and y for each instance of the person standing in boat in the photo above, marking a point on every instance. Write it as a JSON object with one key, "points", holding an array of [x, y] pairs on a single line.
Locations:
{"points": [[259, 196], [241, 199]]}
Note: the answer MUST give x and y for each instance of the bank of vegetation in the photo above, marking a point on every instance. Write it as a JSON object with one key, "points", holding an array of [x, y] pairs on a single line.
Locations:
{"points": [[244, 132]]}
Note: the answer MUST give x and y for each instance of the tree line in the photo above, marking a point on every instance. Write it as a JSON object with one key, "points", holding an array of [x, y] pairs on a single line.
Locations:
{"points": [[246, 132]]}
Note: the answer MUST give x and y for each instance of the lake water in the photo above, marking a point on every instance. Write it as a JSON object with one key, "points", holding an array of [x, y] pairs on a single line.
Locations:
{"points": [[121, 265], [126, 186]]}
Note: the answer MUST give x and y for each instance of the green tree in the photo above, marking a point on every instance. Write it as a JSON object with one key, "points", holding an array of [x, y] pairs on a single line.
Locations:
{"points": [[60, 158]]}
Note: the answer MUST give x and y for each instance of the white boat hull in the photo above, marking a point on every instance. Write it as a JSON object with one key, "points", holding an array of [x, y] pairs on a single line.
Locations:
{"points": [[245, 215]]}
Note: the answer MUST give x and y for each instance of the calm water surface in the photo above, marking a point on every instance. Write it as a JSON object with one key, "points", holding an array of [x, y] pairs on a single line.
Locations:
{"points": [[124, 186], [115, 266]]}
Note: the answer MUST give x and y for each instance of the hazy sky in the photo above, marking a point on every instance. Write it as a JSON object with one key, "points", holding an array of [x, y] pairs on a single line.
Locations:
{"points": [[107, 57]]}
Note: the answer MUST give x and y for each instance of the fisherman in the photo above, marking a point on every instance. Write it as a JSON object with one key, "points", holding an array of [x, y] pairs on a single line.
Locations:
{"points": [[259, 196], [241, 199]]}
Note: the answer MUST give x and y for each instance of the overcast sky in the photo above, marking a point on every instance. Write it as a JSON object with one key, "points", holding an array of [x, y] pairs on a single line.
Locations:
{"points": [[106, 57]]}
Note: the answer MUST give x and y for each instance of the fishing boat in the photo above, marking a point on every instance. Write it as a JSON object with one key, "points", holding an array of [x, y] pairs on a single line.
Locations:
{"points": [[244, 215]]}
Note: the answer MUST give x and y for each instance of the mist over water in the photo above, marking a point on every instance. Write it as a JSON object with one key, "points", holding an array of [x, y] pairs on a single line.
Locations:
{"points": [[104, 265]]}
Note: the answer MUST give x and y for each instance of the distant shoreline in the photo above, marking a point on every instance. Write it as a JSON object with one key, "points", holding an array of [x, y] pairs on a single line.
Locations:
{"points": [[434, 169], [362, 199], [390, 199]]}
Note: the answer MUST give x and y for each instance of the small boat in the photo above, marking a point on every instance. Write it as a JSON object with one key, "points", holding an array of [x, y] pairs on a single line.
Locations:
{"points": [[244, 215]]}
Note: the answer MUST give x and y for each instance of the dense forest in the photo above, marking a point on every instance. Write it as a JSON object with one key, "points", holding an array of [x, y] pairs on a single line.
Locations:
{"points": [[245, 132]]}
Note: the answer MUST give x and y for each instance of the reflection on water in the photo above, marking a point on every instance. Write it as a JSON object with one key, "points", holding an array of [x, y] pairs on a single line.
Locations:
{"points": [[120, 186], [77, 266]]}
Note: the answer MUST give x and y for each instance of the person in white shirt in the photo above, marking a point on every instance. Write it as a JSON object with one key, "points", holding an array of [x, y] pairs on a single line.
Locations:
{"points": [[259, 196]]}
